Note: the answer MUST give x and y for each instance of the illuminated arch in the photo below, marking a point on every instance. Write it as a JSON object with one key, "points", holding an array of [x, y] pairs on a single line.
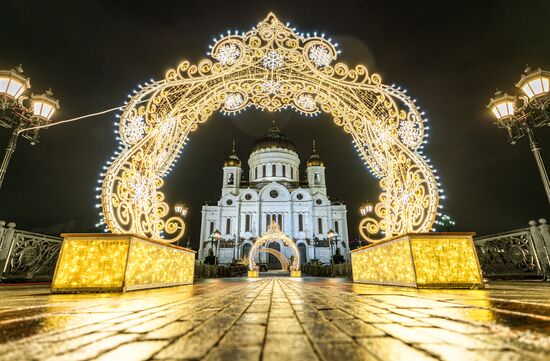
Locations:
{"points": [[274, 234], [280, 257], [271, 67]]}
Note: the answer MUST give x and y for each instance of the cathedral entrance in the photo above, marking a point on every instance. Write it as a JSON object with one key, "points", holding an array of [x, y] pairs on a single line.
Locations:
{"points": [[280, 261], [266, 243], [273, 261]]}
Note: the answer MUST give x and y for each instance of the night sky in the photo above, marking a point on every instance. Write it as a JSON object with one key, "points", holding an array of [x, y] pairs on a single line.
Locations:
{"points": [[449, 55]]}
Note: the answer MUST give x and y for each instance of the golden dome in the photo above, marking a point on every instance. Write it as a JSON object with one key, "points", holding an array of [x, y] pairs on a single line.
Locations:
{"points": [[273, 139], [232, 160], [315, 160]]}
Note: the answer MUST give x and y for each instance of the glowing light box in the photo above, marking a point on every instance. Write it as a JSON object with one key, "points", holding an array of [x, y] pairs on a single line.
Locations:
{"points": [[118, 263], [421, 260]]}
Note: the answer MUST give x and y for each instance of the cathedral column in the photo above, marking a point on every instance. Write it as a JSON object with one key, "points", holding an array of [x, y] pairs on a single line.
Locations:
{"points": [[203, 231], [238, 219]]}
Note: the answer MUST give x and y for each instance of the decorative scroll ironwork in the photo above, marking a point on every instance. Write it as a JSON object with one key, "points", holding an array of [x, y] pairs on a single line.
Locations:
{"points": [[508, 255], [270, 67], [32, 256]]}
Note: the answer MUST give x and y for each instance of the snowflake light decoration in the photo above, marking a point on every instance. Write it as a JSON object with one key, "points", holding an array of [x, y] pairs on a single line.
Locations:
{"points": [[228, 54], [320, 55], [233, 101], [271, 86], [409, 133], [134, 129], [306, 101], [273, 60]]}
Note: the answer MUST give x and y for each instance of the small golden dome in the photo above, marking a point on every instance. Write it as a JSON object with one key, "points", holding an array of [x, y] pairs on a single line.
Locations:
{"points": [[232, 160], [315, 160]]}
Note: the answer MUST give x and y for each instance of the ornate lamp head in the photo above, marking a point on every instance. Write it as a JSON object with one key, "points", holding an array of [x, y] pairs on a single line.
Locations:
{"points": [[181, 209], [534, 83], [503, 106], [44, 105], [13, 83]]}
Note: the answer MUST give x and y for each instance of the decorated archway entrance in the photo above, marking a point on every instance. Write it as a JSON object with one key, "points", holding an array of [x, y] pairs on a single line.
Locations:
{"points": [[278, 255], [274, 234], [271, 67]]}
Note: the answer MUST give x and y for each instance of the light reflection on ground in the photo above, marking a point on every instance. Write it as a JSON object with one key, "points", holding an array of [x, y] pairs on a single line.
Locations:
{"points": [[279, 319]]}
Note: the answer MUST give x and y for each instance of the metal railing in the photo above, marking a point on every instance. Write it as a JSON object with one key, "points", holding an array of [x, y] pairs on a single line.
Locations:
{"points": [[218, 271], [26, 256], [342, 270], [519, 254]]}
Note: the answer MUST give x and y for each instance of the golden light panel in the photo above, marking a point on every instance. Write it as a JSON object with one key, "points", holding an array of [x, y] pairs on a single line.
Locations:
{"points": [[108, 262], [439, 260], [271, 67]]}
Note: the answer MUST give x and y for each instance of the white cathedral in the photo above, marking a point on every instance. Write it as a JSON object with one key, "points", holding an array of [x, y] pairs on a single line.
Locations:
{"points": [[274, 193]]}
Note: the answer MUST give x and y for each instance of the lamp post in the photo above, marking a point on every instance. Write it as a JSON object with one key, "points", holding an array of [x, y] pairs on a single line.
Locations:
{"points": [[366, 209], [217, 236], [332, 238], [18, 111], [235, 245], [521, 114]]}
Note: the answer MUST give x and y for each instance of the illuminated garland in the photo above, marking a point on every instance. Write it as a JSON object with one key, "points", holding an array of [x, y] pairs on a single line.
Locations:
{"points": [[271, 67], [274, 234]]}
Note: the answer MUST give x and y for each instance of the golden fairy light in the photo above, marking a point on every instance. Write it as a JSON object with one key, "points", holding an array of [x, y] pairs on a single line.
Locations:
{"points": [[271, 67]]}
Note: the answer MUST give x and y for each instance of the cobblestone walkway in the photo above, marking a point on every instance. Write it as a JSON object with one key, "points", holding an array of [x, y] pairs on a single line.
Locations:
{"points": [[278, 319]]}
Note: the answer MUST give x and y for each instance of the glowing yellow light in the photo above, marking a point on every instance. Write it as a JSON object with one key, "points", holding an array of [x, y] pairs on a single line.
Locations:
{"points": [[103, 262], [273, 68], [438, 260], [12, 83], [274, 234], [44, 105], [535, 83]]}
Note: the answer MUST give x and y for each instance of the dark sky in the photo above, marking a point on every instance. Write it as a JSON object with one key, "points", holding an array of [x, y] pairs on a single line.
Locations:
{"points": [[449, 55]]}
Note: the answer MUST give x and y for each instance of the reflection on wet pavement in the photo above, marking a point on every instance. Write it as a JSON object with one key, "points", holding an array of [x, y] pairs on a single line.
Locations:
{"points": [[278, 319]]}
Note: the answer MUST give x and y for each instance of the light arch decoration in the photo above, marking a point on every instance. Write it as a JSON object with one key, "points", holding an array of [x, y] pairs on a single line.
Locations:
{"points": [[271, 67], [280, 257], [274, 234]]}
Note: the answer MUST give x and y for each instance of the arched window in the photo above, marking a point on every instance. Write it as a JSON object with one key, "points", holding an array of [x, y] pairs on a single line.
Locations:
{"points": [[284, 170], [211, 228], [300, 222], [264, 173], [267, 221], [274, 170], [320, 225], [228, 226], [256, 173], [231, 179], [280, 220], [336, 227], [291, 172], [247, 223]]}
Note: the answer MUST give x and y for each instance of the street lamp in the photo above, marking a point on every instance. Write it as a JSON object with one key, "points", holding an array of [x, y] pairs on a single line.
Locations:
{"points": [[19, 112], [181, 209], [332, 238], [366, 209], [522, 114], [215, 240]]}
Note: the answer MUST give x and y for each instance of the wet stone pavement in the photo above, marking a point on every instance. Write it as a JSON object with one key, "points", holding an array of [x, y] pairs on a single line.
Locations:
{"points": [[278, 319]]}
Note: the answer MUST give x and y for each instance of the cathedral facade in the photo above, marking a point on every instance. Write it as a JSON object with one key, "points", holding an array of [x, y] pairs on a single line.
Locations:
{"points": [[274, 192]]}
